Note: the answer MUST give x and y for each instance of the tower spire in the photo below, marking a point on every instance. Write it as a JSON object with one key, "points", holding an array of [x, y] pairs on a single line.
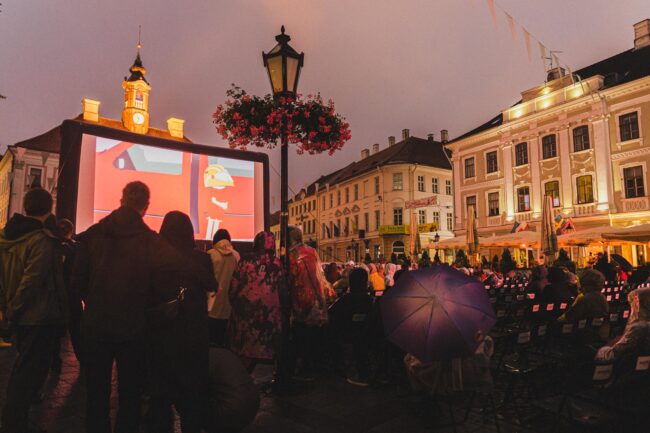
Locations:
{"points": [[137, 70]]}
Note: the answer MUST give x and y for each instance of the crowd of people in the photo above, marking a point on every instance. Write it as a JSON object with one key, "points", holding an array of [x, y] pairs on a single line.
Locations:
{"points": [[185, 328]]}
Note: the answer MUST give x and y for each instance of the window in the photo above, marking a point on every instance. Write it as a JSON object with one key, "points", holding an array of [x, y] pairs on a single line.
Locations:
{"points": [[377, 219], [633, 177], [549, 147], [356, 191], [470, 202], [323, 231], [521, 154], [628, 125], [355, 226], [338, 197], [34, 178], [469, 167], [434, 185], [584, 189], [397, 216], [580, 138], [553, 189], [448, 187], [397, 182], [523, 199], [421, 183], [347, 227], [347, 194], [450, 221], [493, 204], [366, 221], [337, 228], [436, 219], [422, 216], [377, 185], [491, 162], [323, 202]]}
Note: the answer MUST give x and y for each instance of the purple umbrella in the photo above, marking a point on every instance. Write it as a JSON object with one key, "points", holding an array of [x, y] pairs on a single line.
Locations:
{"points": [[436, 313]]}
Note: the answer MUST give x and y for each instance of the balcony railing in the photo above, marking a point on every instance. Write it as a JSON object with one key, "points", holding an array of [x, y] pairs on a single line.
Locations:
{"points": [[494, 221], [584, 209], [523, 216], [635, 204]]}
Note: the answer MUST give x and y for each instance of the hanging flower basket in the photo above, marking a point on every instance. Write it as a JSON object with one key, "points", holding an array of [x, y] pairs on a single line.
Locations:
{"points": [[313, 126]]}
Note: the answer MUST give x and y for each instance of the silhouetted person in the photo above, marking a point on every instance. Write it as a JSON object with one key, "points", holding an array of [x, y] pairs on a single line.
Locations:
{"points": [[32, 300], [114, 269]]}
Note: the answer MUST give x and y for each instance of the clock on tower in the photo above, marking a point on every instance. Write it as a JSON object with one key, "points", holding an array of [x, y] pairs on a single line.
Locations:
{"points": [[135, 115]]}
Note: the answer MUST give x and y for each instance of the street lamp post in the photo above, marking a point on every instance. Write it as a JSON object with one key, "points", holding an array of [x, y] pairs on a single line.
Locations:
{"points": [[436, 239], [283, 65]]}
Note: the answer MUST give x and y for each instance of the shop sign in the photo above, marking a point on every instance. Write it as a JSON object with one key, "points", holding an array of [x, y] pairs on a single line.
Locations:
{"points": [[394, 230]]}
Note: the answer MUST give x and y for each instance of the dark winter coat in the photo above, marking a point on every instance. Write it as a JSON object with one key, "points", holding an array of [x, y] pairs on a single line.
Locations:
{"points": [[114, 270], [31, 279]]}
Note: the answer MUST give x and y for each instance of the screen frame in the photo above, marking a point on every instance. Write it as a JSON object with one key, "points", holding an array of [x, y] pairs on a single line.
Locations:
{"points": [[72, 132]]}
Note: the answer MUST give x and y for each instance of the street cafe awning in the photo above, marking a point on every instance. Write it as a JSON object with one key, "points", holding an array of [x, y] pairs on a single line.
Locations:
{"points": [[639, 233], [522, 239], [632, 234]]}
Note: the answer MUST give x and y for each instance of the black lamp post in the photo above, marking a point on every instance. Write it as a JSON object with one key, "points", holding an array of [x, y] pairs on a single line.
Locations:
{"points": [[436, 239], [283, 65]]}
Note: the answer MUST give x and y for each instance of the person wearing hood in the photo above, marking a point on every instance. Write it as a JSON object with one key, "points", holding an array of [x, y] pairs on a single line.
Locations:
{"points": [[179, 343], [114, 270], [33, 303], [389, 275], [224, 263]]}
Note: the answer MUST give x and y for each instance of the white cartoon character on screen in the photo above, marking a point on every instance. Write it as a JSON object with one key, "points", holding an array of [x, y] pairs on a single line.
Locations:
{"points": [[217, 177]]}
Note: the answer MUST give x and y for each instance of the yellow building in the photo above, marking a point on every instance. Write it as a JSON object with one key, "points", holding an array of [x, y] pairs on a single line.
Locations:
{"points": [[370, 205], [579, 138], [34, 162]]}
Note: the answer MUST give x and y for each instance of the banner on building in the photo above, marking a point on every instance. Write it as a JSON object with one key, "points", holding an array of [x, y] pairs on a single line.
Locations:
{"points": [[422, 202]]}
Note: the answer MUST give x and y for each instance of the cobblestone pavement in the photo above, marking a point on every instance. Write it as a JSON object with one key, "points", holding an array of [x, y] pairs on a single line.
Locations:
{"points": [[326, 405]]}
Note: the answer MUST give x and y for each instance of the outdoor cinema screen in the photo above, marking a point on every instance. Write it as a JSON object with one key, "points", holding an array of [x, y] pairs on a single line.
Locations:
{"points": [[215, 191]]}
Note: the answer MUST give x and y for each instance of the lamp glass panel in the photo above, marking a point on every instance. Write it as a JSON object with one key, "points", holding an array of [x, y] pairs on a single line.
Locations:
{"points": [[292, 73], [274, 65]]}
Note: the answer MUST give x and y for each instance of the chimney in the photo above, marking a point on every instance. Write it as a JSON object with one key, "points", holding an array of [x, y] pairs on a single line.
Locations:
{"points": [[430, 137], [642, 34], [365, 153], [391, 141], [405, 134], [90, 109], [444, 135], [375, 148], [555, 73], [175, 127]]}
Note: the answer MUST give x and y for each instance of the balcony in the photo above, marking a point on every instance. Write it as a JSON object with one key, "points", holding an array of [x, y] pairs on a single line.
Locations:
{"points": [[635, 204], [521, 217], [584, 209], [494, 221]]}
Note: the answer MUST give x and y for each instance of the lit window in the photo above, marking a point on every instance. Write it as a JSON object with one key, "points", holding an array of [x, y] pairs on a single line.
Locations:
{"points": [[584, 189], [553, 189]]}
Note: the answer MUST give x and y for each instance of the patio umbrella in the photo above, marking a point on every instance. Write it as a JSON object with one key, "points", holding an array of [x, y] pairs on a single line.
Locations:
{"points": [[437, 313], [622, 261], [549, 237], [472, 231]]}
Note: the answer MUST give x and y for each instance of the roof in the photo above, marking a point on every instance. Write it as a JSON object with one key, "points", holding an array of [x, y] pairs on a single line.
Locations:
{"points": [[137, 70], [619, 69], [412, 150], [51, 140]]}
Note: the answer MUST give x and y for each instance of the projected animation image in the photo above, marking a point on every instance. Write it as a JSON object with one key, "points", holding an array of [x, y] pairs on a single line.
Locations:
{"points": [[214, 191]]}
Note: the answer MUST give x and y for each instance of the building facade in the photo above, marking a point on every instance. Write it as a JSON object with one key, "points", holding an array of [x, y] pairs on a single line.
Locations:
{"points": [[370, 207], [579, 138]]}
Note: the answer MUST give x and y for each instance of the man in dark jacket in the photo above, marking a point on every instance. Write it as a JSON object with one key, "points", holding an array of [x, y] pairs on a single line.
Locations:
{"points": [[32, 301], [114, 265]]}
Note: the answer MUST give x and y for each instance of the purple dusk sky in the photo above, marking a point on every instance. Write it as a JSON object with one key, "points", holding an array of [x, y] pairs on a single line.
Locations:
{"points": [[425, 65]]}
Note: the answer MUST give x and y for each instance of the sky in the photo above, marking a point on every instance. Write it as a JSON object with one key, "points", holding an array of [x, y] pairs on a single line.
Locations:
{"points": [[424, 65]]}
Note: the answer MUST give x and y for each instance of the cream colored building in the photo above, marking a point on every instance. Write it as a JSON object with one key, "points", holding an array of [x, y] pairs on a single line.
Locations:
{"points": [[581, 138], [367, 207]]}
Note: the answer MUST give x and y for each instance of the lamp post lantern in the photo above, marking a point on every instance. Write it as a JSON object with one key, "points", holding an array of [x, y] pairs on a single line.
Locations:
{"points": [[283, 65]]}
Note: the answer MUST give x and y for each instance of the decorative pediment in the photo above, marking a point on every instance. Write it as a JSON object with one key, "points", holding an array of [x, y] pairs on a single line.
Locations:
{"points": [[355, 208], [346, 211], [338, 213]]}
